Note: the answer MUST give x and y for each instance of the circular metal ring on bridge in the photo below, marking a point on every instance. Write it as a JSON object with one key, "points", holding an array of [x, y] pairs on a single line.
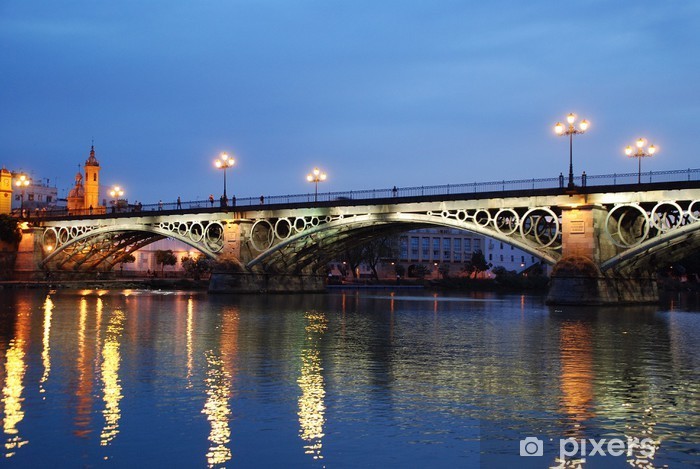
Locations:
{"points": [[262, 235], [314, 221], [328, 219], [694, 210], [196, 232], [506, 221], [50, 238], [283, 228], [429, 213], [299, 224], [482, 217], [627, 225], [445, 214], [63, 235], [541, 225], [182, 229], [214, 236], [74, 231], [666, 216], [461, 215]]}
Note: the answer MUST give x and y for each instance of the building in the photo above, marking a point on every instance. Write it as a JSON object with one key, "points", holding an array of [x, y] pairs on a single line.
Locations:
{"points": [[441, 251], [85, 194], [37, 195], [145, 259]]}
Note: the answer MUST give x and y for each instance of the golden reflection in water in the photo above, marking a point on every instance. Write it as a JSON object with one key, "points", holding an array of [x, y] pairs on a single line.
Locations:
{"points": [[46, 350], [576, 357], [190, 320], [217, 410], [83, 392], [15, 368], [219, 386], [110, 378], [311, 401]]}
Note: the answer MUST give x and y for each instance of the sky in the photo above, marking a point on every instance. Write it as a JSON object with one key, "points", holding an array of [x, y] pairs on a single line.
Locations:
{"points": [[375, 93]]}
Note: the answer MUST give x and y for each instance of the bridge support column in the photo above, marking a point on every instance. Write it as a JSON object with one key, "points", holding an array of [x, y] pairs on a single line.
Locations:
{"points": [[29, 256], [248, 282], [577, 279]]}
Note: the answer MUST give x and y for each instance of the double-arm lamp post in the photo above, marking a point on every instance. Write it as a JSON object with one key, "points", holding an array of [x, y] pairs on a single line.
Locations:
{"points": [[639, 154], [571, 130], [22, 182], [316, 176], [224, 162]]}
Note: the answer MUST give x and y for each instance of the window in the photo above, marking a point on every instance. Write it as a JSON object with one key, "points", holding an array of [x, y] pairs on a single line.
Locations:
{"points": [[477, 245], [436, 248], [512, 258], [522, 258], [94, 176], [49, 198], [403, 248], [490, 257], [446, 249], [501, 257], [414, 248], [30, 196], [501, 245], [511, 247], [425, 245], [533, 259], [457, 250], [467, 246]]}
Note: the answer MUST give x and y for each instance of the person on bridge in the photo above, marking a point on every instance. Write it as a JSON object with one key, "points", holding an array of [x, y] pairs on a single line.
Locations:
{"points": [[211, 199], [233, 201], [160, 205], [561, 180], [262, 200], [583, 179], [222, 201], [179, 204], [395, 191]]}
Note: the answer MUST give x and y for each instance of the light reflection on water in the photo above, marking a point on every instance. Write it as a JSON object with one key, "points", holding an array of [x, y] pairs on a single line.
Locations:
{"points": [[342, 379]]}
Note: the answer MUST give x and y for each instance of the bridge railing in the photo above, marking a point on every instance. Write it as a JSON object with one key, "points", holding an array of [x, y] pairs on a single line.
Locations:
{"points": [[386, 193]]}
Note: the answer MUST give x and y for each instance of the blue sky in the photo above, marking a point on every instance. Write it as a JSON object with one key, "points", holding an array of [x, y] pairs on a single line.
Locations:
{"points": [[375, 93]]}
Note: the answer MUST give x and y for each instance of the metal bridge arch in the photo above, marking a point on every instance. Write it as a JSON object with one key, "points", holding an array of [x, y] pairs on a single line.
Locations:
{"points": [[348, 225], [95, 233]]}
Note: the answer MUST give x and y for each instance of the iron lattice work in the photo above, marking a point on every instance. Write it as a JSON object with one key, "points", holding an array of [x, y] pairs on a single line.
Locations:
{"points": [[293, 243], [88, 247], [643, 231]]}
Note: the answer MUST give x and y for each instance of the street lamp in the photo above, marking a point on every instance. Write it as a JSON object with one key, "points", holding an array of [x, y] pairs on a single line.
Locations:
{"points": [[224, 162], [22, 182], [561, 129], [116, 193], [639, 154], [316, 176]]}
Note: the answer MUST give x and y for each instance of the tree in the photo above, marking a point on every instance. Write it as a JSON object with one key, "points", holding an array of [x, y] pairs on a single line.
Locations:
{"points": [[353, 257], [196, 266], [374, 251], [400, 270], [165, 258], [476, 265], [9, 230], [444, 270], [126, 259]]}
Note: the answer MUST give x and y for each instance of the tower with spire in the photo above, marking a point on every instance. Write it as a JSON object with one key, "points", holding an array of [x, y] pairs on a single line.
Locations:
{"points": [[92, 182]]}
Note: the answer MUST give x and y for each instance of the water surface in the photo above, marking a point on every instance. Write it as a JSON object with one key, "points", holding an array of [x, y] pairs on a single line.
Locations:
{"points": [[344, 379]]}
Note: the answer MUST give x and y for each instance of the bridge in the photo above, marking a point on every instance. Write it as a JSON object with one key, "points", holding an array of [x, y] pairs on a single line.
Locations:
{"points": [[605, 238]]}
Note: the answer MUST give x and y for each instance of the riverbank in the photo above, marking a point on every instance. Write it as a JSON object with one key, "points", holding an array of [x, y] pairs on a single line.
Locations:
{"points": [[115, 284]]}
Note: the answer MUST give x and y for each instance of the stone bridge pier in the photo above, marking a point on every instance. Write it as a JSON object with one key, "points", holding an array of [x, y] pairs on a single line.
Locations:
{"points": [[577, 278]]}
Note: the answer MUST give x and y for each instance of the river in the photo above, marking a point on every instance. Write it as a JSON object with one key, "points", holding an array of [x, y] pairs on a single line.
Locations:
{"points": [[373, 378]]}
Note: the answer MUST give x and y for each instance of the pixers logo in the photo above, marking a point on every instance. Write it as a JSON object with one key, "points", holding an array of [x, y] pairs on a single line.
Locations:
{"points": [[582, 448]]}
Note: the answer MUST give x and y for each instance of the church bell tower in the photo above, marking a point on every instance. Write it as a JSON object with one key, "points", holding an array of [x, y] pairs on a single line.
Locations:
{"points": [[92, 183]]}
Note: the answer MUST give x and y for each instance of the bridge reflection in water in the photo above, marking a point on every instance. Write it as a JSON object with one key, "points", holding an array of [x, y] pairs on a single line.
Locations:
{"points": [[340, 379]]}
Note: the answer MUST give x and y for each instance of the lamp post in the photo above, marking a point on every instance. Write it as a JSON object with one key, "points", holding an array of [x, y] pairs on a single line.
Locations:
{"points": [[224, 162], [561, 129], [639, 154], [116, 193], [22, 182], [316, 176]]}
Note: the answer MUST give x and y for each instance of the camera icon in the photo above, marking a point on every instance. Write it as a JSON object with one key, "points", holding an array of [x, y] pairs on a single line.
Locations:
{"points": [[531, 446]]}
